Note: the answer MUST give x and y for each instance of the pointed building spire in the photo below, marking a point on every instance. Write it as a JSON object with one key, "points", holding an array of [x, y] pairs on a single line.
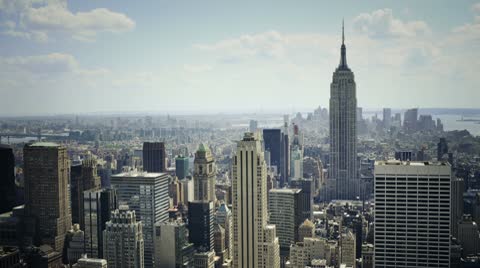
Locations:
{"points": [[343, 51]]}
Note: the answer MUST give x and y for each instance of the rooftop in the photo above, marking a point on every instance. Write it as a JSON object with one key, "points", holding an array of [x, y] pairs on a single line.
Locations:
{"points": [[44, 144], [409, 163], [285, 190], [138, 174]]}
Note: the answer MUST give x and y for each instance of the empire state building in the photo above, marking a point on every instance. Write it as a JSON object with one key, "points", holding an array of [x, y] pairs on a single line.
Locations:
{"points": [[343, 177]]}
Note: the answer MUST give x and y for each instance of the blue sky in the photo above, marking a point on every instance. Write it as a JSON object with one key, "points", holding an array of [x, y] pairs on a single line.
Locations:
{"points": [[224, 56]]}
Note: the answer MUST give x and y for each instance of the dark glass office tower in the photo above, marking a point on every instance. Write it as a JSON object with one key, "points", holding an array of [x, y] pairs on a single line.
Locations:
{"points": [[200, 224], [154, 157], [7, 178]]}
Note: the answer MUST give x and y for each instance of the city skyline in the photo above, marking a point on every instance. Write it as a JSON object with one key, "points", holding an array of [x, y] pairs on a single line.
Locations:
{"points": [[61, 57]]}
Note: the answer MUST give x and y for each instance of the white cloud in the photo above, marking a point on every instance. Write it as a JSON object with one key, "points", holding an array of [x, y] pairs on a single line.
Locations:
{"points": [[37, 19], [197, 68], [50, 63], [381, 23], [476, 7]]}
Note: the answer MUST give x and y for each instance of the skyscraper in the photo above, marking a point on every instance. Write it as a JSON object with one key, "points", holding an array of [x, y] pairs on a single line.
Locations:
{"points": [[123, 240], [7, 178], [204, 174], [147, 195], [458, 186], [284, 207], [154, 157], [88, 180], [181, 167], [343, 177], [98, 205], [410, 120], [173, 248], [296, 154], [347, 247], [412, 212], [273, 143], [224, 219], [46, 168], [387, 117], [255, 242], [200, 224], [306, 195]]}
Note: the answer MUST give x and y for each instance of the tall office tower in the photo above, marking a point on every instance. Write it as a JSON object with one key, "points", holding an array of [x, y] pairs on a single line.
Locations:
{"points": [[90, 263], [7, 179], [181, 167], [88, 180], [458, 187], [343, 182], [204, 259], [284, 207], [313, 168], [174, 191], [412, 212], [255, 242], [273, 143], [75, 190], [306, 229], [347, 249], [75, 244], [173, 248], [469, 236], [277, 144], [186, 191], [200, 224], [147, 195], [253, 126], [285, 157], [410, 120], [307, 187], [296, 154], [98, 205], [387, 117], [46, 167], [219, 242], [123, 240], [154, 157], [224, 219], [442, 149], [204, 174]]}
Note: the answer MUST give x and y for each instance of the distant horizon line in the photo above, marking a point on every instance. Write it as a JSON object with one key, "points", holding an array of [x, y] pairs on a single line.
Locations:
{"points": [[220, 112]]}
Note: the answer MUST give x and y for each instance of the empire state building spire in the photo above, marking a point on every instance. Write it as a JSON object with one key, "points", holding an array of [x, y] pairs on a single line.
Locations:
{"points": [[343, 56]]}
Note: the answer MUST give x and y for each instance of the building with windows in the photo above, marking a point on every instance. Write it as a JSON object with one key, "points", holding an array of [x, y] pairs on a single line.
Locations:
{"points": [[343, 176], [147, 195], [412, 212], [123, 240], [47, 202], [254, 241], [204, 174]]}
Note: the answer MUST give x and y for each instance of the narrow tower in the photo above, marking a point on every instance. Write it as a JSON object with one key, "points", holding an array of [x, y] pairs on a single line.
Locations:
{"points": [[254, 243], [343, 176]]}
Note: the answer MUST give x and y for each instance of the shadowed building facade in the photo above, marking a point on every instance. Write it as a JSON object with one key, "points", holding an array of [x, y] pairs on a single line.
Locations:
{"points": [[46, 167]]}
